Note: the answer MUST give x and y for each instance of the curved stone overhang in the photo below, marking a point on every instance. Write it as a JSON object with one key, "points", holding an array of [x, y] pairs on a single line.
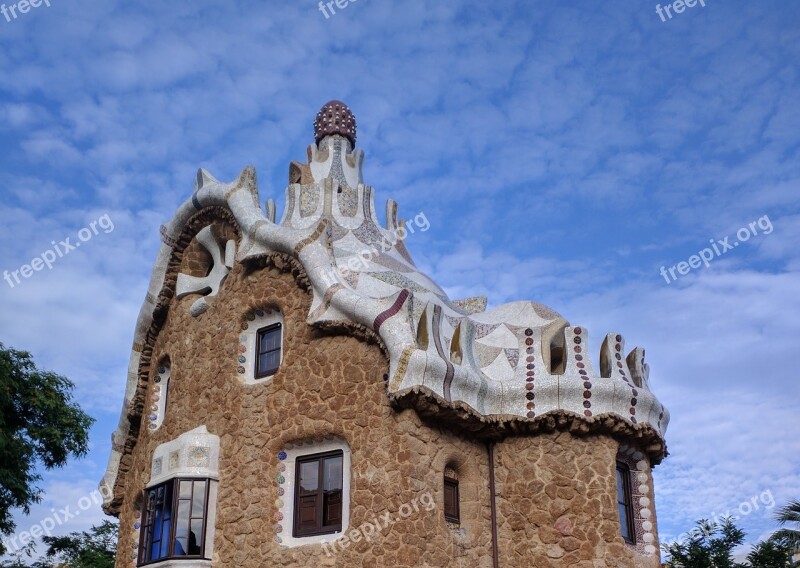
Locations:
{"points": [[515, 368]]}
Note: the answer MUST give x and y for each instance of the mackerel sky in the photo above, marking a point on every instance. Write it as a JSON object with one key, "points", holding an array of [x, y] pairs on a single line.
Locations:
{"points": [[563, 152]]}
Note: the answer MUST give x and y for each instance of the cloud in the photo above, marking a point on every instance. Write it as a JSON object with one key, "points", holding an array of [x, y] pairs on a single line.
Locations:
{"points": [[561, 154]]}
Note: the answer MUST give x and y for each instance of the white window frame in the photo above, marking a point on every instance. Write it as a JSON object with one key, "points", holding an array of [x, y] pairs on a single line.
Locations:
{"points": [[246, 355], [289, 476]]}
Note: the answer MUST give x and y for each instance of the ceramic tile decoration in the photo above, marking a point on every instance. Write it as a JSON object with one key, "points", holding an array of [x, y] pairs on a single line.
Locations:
{"points": [[198, 456]]}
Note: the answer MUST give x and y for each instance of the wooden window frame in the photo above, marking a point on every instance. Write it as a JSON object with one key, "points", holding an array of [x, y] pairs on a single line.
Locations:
{"points": [[626, 501], [147, 522], [453, 484], [263, 373], [319, 529]]}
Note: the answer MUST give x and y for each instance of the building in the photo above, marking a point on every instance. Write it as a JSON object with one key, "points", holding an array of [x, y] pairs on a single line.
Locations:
{"points": [[300, 394]]}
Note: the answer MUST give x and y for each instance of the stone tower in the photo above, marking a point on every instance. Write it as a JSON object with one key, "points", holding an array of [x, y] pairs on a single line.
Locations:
{"points": [[300, 394]]}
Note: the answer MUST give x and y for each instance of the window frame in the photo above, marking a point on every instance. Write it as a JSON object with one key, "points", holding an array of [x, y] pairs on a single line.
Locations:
{"points": [[258, 373], [147, 523], [453, 483], [320, 528], [625, 501]]}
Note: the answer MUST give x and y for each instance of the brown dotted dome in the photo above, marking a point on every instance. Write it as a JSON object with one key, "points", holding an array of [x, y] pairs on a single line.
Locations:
{"points": [[335, 118]]}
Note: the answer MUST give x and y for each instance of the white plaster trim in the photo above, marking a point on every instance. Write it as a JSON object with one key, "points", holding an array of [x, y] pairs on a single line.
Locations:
{"points": [[197, 454], [287, 509], [159, 397], [182, 563]]}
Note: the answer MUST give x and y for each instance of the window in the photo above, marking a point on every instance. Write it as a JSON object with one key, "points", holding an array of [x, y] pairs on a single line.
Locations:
{"points": [[174, 520], [452, 511], [268, 351], [625, 503], [318, 494]]}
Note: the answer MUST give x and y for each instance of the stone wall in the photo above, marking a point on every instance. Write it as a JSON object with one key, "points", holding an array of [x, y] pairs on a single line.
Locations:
{"points": [[556, 492], [330, 384], [557, 503]]}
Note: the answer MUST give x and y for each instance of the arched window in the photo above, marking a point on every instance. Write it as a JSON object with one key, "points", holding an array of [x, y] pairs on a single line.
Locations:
{"points": [[260, 346], [268, 350], [159, 392]]}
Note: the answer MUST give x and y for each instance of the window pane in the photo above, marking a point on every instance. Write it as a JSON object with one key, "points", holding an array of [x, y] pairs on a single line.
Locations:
{"points": [[182, 522], [269, 340], [271, 361], [309, 477], [272, 340], [196, 537], [183, 513], [332, 495], [623, 521], [263, 340], [186, 490], [161, 503], [151, 504], [164, 548], [620, 486], [333, 473], [181, 545], [199, 500]]}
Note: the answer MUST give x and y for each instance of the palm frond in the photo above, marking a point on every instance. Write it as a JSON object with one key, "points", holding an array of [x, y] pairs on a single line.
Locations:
{"points": [[789, 536], [789, 513]]}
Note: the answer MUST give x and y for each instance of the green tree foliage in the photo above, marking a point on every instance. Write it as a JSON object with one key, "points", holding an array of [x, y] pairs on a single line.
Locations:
{"points": [[772, 553], [93, 549], [708, 545], [711, 545], [788, 517], [39, 423]]}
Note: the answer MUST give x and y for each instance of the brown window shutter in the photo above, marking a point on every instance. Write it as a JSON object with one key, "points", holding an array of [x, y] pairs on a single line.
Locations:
{"points": [[451, 497]]}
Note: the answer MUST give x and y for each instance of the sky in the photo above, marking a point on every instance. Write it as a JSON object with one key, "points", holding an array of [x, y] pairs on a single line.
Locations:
{"points": [[563, 152]]}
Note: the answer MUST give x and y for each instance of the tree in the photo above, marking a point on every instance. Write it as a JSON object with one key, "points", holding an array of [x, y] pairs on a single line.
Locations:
{"points": [[39, 423], [711, 545], [771, 553], [94, 549], [708, 545], [789, 514], [17, 556]]}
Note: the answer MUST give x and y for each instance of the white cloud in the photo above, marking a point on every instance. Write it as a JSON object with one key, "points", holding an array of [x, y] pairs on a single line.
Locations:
{"points": [[561, 153]]}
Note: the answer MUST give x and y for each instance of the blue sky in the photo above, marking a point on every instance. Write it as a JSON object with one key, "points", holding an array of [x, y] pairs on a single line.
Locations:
{"points": [[563, 152]]}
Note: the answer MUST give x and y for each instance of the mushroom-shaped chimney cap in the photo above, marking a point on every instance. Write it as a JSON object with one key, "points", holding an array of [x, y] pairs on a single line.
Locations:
{"points": [[335, 118]]}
